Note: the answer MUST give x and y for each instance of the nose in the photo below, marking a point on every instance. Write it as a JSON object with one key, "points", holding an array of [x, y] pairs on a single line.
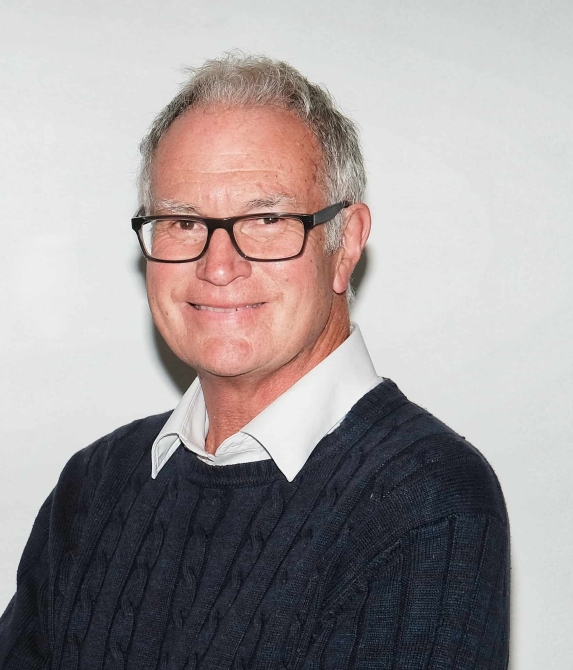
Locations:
{"points": [[221, 263]]}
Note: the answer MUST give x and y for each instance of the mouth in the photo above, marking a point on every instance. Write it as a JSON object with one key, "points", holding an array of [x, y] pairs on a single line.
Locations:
{"points": [[228, 310]]}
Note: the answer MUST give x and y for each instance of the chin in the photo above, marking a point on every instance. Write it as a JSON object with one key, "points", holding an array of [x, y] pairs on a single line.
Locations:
{"points": [[222, 357]]}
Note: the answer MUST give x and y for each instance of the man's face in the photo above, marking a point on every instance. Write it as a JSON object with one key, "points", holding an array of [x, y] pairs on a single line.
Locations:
{"points": [[222, 314]]}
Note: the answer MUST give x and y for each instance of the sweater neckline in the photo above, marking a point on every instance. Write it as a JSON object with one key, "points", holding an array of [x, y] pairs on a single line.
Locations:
{"points": [[258, 473]]}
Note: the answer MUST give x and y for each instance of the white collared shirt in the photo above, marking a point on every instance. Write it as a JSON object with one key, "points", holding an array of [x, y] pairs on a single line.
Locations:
{"points": [[289, 428]]}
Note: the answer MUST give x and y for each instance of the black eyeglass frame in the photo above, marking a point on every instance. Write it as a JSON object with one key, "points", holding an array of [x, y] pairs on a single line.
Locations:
{"points": [[309, 221]]}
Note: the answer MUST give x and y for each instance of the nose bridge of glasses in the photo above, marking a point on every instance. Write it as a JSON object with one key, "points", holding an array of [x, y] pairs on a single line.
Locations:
{"points": [[213, 225], [225, 224]]}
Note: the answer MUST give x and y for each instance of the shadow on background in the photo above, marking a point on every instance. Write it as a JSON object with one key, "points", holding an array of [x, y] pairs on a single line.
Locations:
{"points": [[360, 272], [181, 374]]}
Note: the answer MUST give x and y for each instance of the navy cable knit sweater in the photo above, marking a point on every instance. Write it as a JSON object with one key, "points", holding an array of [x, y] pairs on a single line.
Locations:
{"points": [[390, 549]]}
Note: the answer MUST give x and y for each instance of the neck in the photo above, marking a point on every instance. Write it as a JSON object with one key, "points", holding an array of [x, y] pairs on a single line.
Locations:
{"points": [[234, 401]]}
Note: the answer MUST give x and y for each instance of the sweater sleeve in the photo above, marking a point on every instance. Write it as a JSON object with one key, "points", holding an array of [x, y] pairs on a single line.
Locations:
{"points": [[438, 599], [24, 638]]}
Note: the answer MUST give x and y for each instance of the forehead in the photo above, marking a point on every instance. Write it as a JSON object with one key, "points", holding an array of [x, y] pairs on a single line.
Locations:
{"points": [[256, 151]]}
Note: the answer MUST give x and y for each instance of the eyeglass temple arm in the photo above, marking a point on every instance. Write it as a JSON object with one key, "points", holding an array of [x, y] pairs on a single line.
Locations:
{"points": [[329, 213]]}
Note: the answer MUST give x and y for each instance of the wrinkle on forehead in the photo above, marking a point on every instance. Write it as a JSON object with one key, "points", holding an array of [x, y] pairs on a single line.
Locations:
{"points": [[213, 163], [201, 173]]}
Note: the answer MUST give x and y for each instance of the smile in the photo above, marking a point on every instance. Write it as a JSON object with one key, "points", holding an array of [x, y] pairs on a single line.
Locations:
{"points": [[209, 308]]}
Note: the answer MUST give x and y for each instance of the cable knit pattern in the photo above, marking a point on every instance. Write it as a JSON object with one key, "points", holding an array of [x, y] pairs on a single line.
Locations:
{"points": [[390, 549]]}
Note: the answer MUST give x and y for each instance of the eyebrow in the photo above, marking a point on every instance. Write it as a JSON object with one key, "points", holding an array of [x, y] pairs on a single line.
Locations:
{"points": [[273, 200], [175, 207]]}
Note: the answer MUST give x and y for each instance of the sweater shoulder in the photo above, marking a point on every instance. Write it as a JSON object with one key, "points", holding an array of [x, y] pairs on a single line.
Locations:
{"points": [[102, 466], [418, 467], [130, 440]]}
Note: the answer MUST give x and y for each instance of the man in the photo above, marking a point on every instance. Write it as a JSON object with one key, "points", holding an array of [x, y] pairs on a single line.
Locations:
{"points": [[295, 510]]}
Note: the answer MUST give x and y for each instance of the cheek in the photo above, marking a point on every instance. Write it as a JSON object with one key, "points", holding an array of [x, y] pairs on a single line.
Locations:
{"points": [[307, 289], [154, 286], [160, 282]]}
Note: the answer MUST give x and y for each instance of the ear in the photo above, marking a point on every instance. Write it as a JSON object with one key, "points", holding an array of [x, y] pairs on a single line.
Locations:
{"points": [[357, 222]]}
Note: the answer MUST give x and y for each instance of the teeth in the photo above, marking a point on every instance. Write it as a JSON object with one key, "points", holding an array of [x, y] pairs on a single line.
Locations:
{"points": [[207, 308]]}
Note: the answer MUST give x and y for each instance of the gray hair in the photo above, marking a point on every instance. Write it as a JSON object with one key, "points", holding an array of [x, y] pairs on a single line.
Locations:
{"points": [[244, 80]]}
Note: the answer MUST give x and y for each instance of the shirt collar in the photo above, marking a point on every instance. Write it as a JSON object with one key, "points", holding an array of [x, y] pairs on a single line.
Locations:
{"points": [[293, 424]]}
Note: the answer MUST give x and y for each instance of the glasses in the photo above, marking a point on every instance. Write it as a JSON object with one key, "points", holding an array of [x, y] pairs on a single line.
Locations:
{"points": [[173, 238]]}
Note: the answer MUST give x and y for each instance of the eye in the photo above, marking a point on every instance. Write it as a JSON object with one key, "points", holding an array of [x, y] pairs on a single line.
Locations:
{"points": [[267, 220], [185, 224]]}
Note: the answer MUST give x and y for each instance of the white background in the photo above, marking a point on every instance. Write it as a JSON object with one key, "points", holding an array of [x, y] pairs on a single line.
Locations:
{"points": [[466, 114]]}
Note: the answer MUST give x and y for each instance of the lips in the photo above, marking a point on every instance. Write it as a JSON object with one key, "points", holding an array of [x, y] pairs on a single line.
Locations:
{"points": [[225, 309]]}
